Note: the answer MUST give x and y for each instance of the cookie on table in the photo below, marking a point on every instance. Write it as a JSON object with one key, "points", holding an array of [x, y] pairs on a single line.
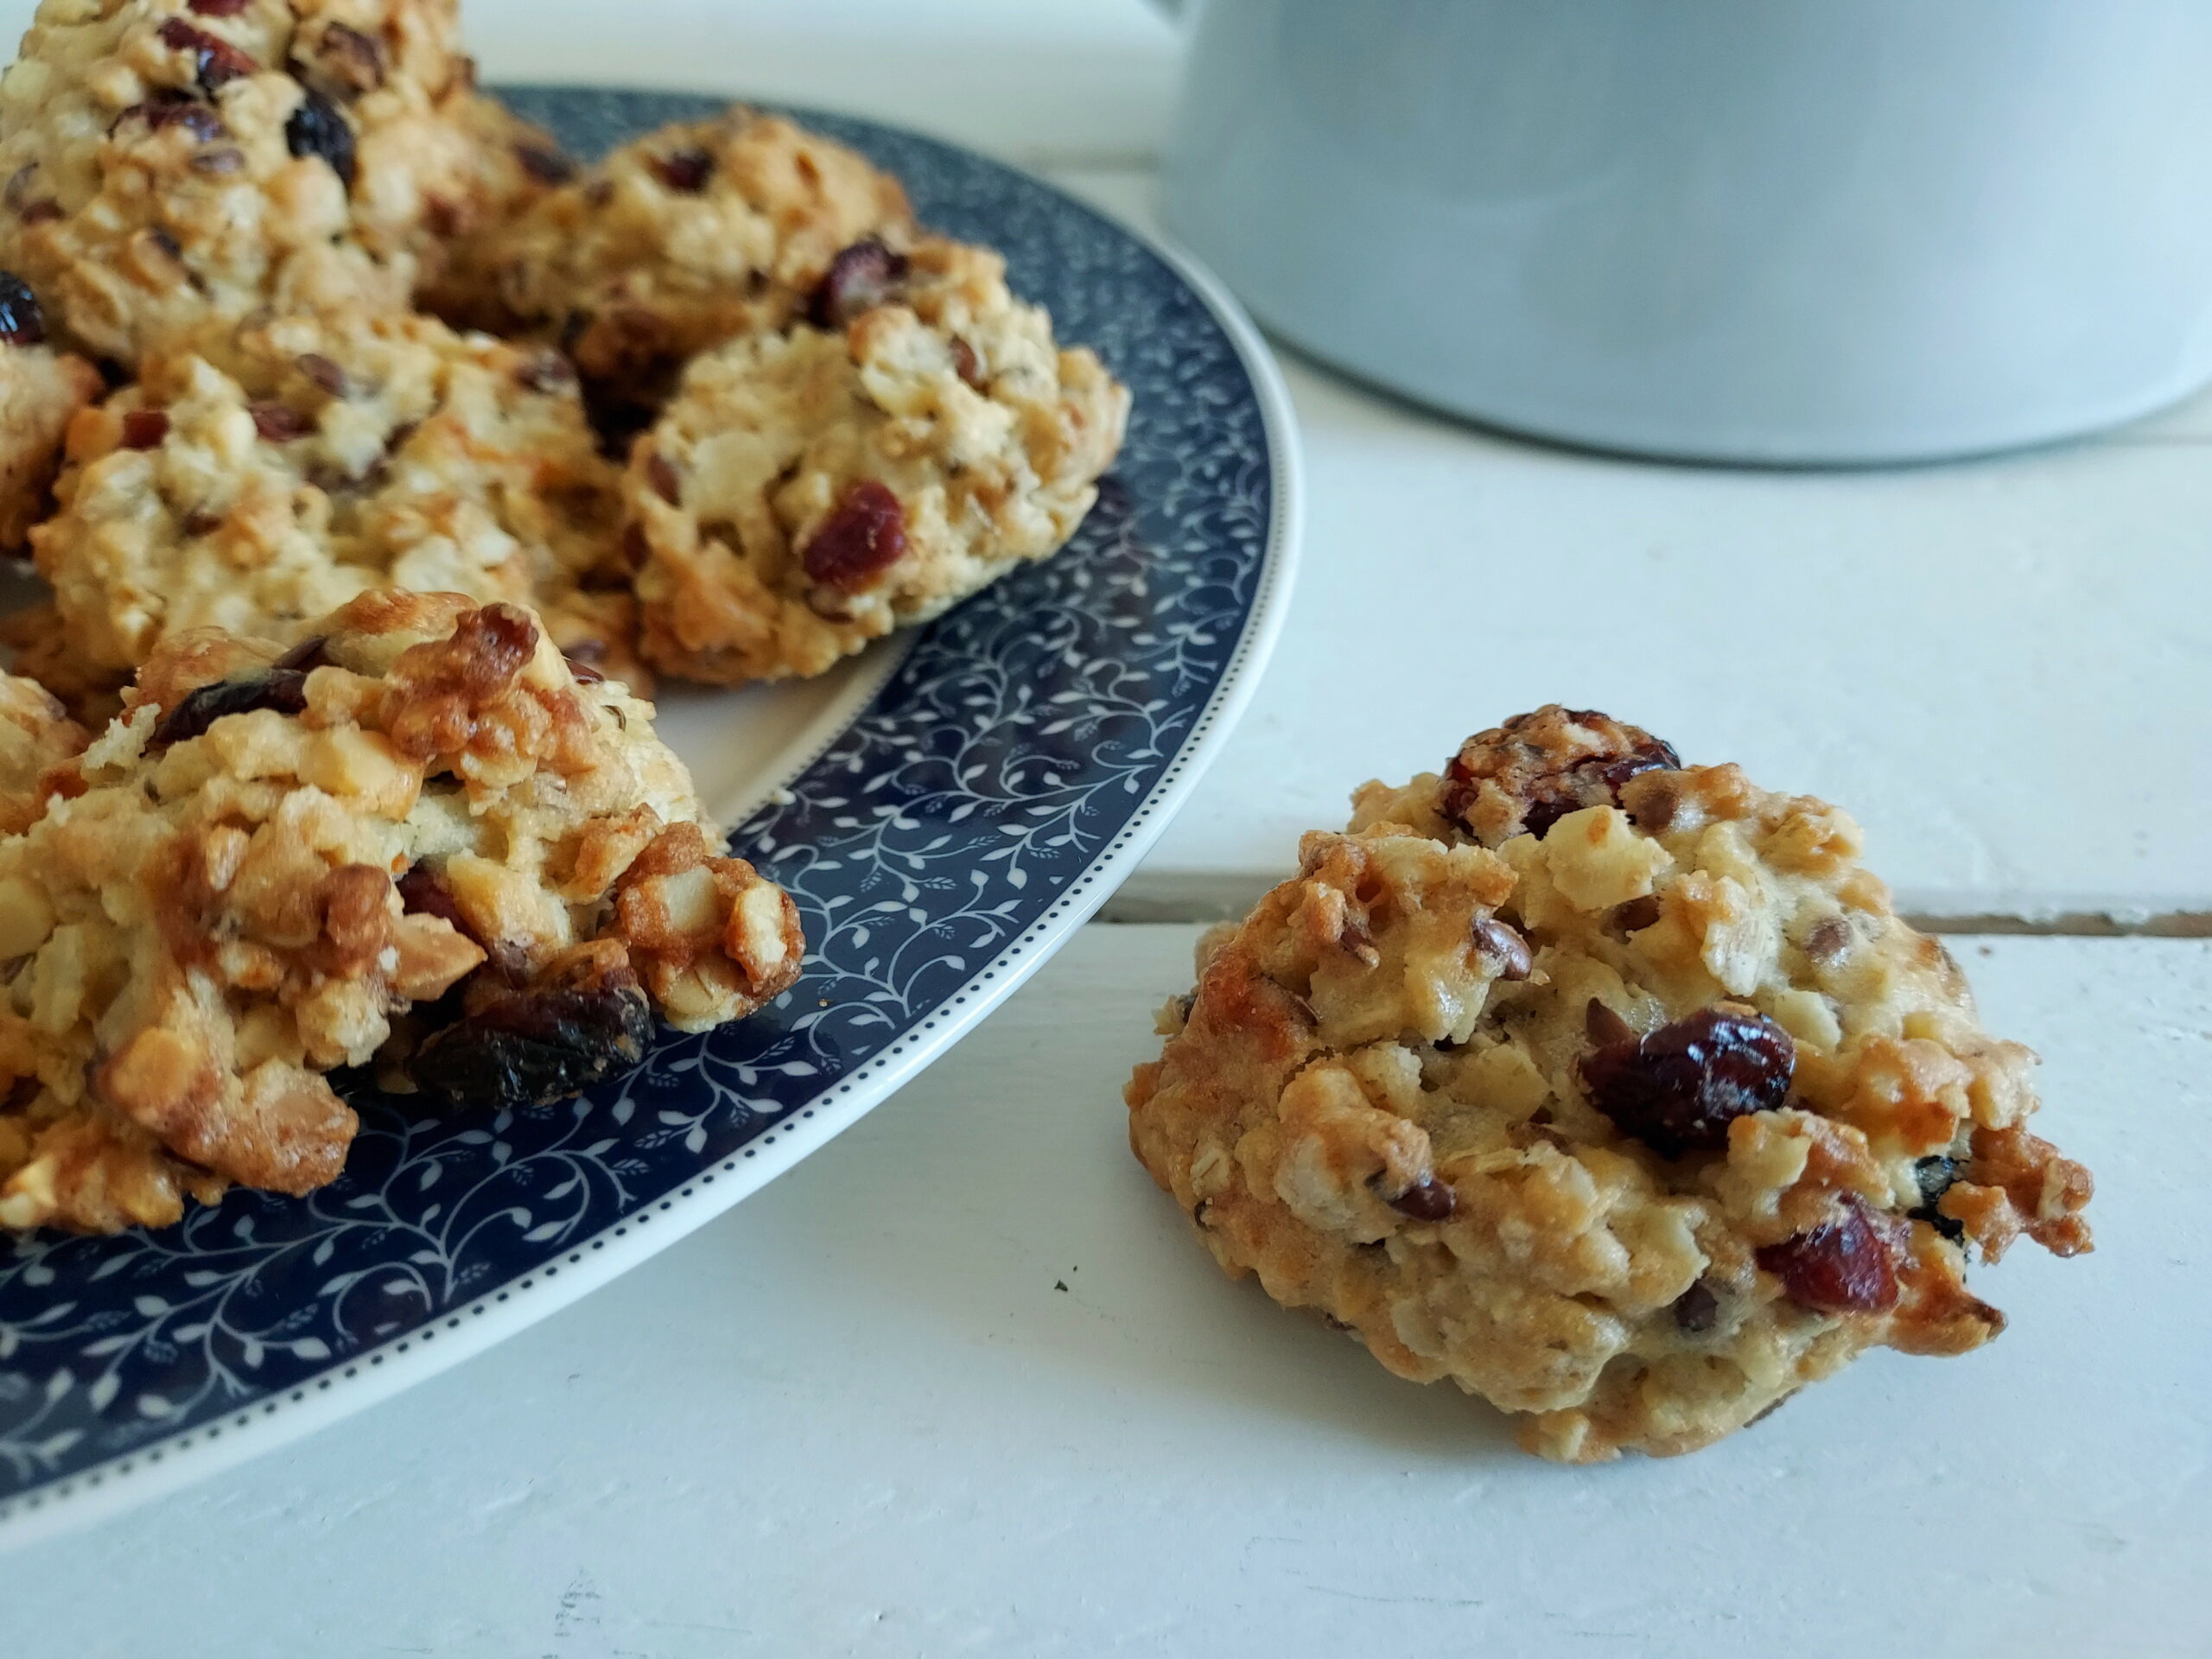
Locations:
{"points": [[807, 492], [343, 454], [40, 391], [1612, 1089], [678, 241], [167, 162], [419, 840]]}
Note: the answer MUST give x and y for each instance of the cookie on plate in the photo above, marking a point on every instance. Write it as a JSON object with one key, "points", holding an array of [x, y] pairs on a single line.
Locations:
{"points": [[343, 454], [419, 840], [1610, 1089], [677, 242], [807, 492], [511, 166], [36, 735], [40, 391], [165, 163]]}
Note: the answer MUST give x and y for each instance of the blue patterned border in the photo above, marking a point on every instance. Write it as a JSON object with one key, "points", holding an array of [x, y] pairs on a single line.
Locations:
{"points": [[975, 811]]}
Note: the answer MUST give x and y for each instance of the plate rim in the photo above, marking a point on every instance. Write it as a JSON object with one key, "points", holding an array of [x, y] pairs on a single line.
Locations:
{"points": [[375, 1375]]}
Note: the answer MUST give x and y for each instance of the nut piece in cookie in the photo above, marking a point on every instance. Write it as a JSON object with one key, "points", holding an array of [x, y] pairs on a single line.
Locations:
{"points": [[1612, 1090], [808, 492], [676, 242], [413, 840], [336, 456]]}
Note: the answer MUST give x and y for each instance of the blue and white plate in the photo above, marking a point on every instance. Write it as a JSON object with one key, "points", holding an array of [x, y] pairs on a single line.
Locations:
{"points": [[946, 811]]}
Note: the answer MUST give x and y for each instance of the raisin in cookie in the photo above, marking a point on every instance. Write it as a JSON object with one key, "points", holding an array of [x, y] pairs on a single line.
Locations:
{"points": [[343, 456], [418, 840], [1612, 1090], [167, 162], [679, 241], [809, 492]]}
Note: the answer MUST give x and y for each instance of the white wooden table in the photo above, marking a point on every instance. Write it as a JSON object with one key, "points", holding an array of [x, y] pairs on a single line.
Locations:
{"points": [[960, 1385]]}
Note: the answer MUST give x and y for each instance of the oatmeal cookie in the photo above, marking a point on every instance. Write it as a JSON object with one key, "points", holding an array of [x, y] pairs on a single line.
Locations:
{"points": [[36, 735], [168, 163], [346, 455], [41, 391], [809, 492], [418, 840], [677, 242], [1612, 1089]]}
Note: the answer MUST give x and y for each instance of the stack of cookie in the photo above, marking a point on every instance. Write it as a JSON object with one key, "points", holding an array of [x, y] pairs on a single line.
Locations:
{"points": [[731, 415], [377, 457]]}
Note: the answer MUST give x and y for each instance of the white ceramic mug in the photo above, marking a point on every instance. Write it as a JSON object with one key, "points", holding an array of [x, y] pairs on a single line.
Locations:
{"points": [[1776, 231]]}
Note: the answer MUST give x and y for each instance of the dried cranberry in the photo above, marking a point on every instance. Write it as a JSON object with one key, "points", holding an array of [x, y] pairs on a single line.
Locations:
{"points": [[1426, 1199], [687, 170], [283, 689], [861, 277], [862, 537], [319, 127], [1842, 1266], [280, 422], [215, 61], [1681, 1087], [23, 320], [218, 8], [1494, 939], [968, 366], [144, 428], [546, 163], [536, 1044]]}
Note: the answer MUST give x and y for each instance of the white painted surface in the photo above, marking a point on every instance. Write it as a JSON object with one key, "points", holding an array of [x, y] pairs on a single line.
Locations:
{"points": [[855, 1417]]}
